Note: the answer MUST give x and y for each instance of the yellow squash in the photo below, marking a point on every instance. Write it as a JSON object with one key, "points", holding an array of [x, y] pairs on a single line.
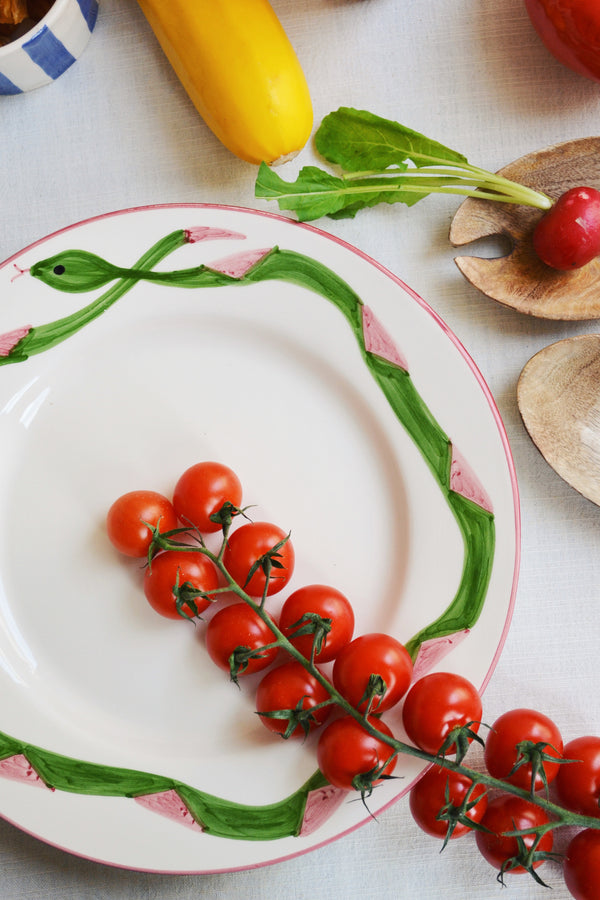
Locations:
{"points": [[236, 62]]}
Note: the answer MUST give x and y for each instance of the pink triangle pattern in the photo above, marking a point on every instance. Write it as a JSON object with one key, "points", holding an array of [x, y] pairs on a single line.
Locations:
{"points": [[238, 264], [378, 341], [463, 480], [431, 652], [170, 805], [18, 768], [320, 805], [10, 339], [206, 233]]}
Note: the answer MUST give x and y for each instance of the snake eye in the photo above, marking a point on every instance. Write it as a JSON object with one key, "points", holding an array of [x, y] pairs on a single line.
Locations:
{"points": [[59, 270]]}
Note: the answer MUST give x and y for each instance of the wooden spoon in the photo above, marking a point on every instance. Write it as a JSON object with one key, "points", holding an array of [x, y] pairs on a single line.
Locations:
{"points": [[558, 393], [520, 279]]}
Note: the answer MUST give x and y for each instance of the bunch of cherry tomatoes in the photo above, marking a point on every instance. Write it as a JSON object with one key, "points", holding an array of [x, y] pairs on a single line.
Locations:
{"points": [[259, 557], [371, 673]]}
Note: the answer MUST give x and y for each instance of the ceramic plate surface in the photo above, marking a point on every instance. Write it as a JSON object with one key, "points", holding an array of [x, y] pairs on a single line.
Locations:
{"points": [[353, 418]]}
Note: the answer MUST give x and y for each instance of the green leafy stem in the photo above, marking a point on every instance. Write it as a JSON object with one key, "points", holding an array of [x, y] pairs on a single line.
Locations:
{"points": [[374, 155]]}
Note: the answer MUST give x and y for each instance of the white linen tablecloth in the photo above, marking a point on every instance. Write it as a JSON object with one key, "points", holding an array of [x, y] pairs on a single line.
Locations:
{"points": [[117, 131]]}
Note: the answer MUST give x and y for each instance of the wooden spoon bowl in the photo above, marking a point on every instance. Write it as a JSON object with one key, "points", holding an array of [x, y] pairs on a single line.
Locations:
{"points": [[558, 393], [520, 279]]}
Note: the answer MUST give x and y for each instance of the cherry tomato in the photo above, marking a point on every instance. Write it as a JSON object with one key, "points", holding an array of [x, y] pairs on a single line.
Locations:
{"points": [[125, 521], [501, 751], [578, 783], [436, 705], [239, 626], [326, 602], [570, 29], [439, 787], [346, 751], [581, 868], [249, 543], [202, 490], [508, 813], [178, 569], [373, 654], [568, 235], [286, 687]]}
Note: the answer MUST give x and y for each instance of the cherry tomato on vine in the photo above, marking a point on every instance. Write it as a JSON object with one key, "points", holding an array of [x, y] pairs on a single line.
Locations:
{"points": [[436, 705], [249, 543], [179, 570], [373, 654], [568, 235], [125, 521], [581, 868], [201, 492], [436, 789], [570, 29], [346, 751], [289, 687], [236, 626], [503, 747], [323, 601], [578, 783], [507, 813]]}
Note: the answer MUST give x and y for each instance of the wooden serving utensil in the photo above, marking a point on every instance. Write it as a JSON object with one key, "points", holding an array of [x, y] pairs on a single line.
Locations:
{"points": [[520, 279], [558, 393]]}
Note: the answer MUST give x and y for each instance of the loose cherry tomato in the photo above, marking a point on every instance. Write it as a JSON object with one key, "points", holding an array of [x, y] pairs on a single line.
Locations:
{"points": [[125, 521], [436, 789], [238, 626], [568, 235], [502, 747], [578, 783], [179, 571], [323, 601], [249, 543], [570, 29], [367, 655], [436, 705], [290, 686], [506, 813], [201, 492], [581, 868], [352, 759]]}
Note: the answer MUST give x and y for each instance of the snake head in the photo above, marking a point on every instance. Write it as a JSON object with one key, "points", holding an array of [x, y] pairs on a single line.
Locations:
{"points": [[74, 271]]}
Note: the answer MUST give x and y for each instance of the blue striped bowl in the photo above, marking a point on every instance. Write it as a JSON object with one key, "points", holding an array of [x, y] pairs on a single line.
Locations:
{"points": [[49, 48]]}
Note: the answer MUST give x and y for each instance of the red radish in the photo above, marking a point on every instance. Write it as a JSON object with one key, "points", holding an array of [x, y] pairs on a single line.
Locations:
{"points": [[568, 235]]}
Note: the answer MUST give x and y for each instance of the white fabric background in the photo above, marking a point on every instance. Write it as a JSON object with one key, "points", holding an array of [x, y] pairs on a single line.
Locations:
{"points": [[118, 131]]}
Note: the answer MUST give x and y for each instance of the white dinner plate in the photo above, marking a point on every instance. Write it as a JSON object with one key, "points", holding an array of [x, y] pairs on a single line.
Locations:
{"points": [[353, 417]]}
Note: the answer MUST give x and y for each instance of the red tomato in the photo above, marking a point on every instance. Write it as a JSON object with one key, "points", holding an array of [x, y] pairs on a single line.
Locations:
{"points": [[346, 751], [248, 544], [239, 626], [439, 787], [581, 868], [508, 813], [436, 705], [202, 490], [570, 29], [290, 686], [502, 751], [568, 235], [326, 602], [177, 570], [373, 654], [125, 521], [578, 783]]}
